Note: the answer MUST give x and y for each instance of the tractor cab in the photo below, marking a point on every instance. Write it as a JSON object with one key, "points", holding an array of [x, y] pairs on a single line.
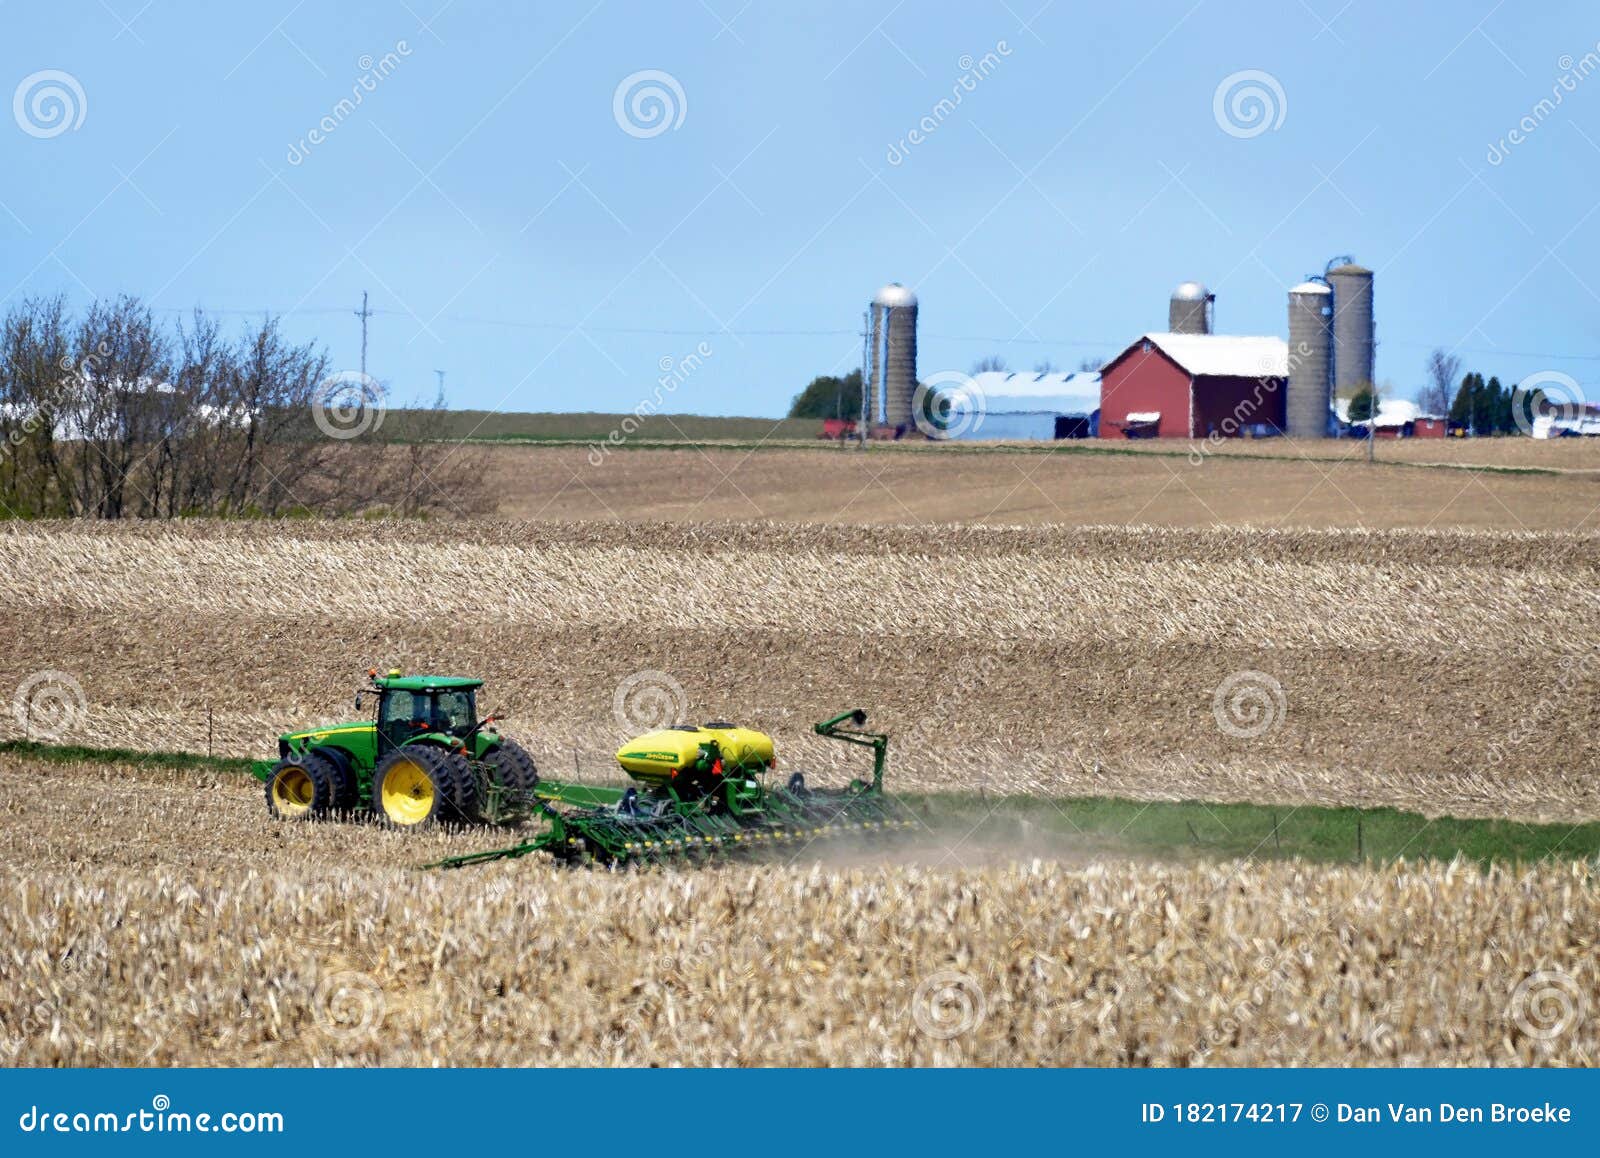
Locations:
{"points": [[413, 706]]}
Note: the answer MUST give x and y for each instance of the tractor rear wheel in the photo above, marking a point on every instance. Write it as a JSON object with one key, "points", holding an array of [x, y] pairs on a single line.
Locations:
{"points": [[419, 785], [512, 771], [302, 787]]}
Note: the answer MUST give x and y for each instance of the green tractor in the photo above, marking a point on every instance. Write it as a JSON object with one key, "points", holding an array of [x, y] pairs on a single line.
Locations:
{"points": [[692, 791], [425, 757]]}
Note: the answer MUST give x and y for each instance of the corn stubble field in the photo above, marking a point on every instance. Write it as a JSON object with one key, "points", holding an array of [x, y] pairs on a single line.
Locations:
{"points": [[137, 932], [158, 916]]}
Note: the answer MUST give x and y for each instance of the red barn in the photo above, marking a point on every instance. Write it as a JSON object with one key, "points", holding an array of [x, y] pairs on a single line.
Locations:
{"points": [[1194, 386]]}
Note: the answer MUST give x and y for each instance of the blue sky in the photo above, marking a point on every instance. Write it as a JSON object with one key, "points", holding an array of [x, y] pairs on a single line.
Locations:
{"points": [[512, 231]]}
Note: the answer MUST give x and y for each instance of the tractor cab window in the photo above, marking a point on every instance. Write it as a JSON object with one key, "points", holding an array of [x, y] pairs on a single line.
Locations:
{"points": [[454, 712], [405, 715], [401, 715]]}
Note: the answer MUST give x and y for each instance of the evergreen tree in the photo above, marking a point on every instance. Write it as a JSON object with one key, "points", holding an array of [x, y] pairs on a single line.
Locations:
{"points": [[1501, 415], [829, 396], [1485, 407], [1461, 408], [1361, 404]]}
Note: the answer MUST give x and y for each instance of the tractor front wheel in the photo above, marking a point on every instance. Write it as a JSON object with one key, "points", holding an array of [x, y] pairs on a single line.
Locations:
{"points": [[420, 785], [302, 787]]}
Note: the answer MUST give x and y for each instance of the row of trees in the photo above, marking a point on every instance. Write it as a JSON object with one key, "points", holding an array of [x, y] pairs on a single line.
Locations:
{"points": [[1485, 407], [113, 414]]}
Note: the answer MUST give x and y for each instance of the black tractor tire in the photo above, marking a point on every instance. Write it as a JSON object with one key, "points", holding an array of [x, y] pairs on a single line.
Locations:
{"points": [[303, 787], [345, 789], [420, 785], [464, 787], [511, 769]]}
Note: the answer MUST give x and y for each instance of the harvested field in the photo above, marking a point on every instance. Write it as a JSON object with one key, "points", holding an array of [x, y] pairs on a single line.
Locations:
{"points": [[1266, 484], [1443, 672], [157, 918]]}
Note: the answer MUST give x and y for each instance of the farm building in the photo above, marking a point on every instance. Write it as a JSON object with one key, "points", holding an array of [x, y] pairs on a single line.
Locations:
{"points": [[1195, 385], [1036, 406], [1570, 419], [1397, 418]]}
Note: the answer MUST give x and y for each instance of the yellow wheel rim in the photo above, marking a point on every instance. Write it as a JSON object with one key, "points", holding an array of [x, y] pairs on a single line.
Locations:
{"points": [[292, 791], [407, 793]]}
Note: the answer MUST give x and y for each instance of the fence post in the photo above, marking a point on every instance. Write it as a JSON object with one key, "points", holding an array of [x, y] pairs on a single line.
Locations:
{"points": [[1361, 854], [209, 732]]}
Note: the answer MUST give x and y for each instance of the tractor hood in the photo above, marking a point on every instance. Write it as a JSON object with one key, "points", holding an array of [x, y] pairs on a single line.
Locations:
{"points": [[330, 732]]}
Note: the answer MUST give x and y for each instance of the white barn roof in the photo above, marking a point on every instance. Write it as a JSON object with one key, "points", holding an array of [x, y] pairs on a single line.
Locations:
{"points": [[1061, 393], [1225, 355], [1391, 412]]}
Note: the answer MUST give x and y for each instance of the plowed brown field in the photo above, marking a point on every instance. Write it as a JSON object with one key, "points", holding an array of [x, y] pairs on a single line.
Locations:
{"points": [[1446, 672]]}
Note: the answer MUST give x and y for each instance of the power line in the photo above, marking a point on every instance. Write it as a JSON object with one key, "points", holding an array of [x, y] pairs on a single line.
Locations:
{"points": [[657, 331]]}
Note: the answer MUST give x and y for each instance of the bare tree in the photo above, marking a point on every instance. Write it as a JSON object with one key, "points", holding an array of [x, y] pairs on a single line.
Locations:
{"points": [[990, 364], [1091, 365], [430, 473], [115, 416], [1436, 396], [123, 408], [34, 366]]}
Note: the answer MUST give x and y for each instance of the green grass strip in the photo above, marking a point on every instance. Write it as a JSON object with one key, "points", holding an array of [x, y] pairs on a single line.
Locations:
{"points": [[1191, 828], [1111, 826]]}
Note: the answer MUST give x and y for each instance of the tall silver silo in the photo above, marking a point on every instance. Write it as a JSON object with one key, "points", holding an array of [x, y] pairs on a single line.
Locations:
{"points": [[894, 314], [1353, 338], [1189, 312], [873, 386], [1310, 360]]}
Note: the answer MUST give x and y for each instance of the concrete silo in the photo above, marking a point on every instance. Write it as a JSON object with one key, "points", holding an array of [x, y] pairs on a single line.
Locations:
{"points": [[1310, 358], [893, 360], [1189, 312], [1353, 339]]}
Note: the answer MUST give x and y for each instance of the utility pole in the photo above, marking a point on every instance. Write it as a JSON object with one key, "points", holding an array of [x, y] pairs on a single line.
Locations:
{"points": [[441, 386], [866, 378], [364, 315], [1372, 422]]}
